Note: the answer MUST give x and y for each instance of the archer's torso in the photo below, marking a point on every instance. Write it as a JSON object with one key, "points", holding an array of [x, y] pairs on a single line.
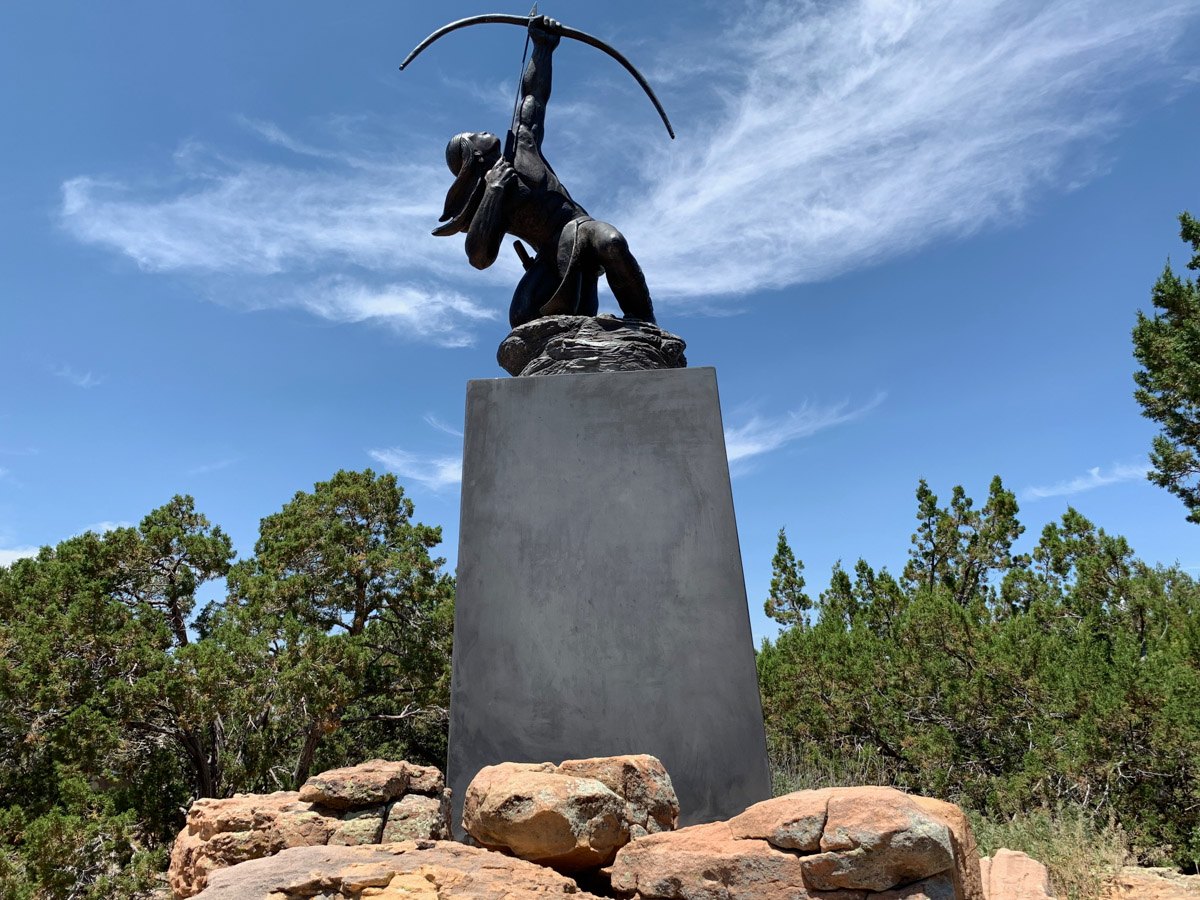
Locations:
{"points": [[538, 206]]}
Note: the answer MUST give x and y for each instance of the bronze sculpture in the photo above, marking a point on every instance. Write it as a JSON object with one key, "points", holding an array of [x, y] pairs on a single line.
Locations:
{"points": [[516, 191]]}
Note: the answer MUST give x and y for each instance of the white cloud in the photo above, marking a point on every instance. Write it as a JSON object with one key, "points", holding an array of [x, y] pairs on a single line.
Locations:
{"points": [[251, 218], [214, 466], [762, 435], [438, 316], [10, 555], [102, 527], [864, 130], [813, 139], [1093, 479], [434, 422], [434, 472], [83, 380]]}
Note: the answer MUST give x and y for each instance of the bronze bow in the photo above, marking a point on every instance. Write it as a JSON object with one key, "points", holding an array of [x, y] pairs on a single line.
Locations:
{"points": [[523, 21]]}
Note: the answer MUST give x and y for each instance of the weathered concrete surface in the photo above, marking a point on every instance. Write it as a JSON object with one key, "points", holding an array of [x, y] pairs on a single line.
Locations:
{"points": [[601, 607]]}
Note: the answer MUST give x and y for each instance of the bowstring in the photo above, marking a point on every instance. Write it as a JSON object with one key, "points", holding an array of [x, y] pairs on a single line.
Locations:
{"points": [[510, 151]]}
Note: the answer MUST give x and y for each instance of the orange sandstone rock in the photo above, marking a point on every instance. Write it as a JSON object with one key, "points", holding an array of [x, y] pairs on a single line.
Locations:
{"points": [[1012, 875], [428, 870], [561, 821]]}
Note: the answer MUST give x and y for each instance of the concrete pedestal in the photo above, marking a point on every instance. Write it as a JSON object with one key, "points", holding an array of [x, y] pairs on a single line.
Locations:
{"points": [[601, 607]]}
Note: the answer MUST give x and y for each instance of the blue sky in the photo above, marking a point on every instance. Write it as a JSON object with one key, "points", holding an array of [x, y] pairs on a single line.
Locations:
{"points": [[910, 236]]}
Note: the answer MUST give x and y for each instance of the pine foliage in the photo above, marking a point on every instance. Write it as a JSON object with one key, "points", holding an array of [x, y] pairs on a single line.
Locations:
{"points": [[1167, 346], [1004, 682], [120, 702]]}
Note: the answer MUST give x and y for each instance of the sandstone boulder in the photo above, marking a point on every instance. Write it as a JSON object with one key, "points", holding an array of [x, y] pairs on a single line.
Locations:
{"points": [[968, 881], [843, 842], [412, 870], [939, 887], [641, 781], [1138, 883], [535, 813], [221, 833], [876, 839], [370, 784], [359, 826], [1011, 875], [706, 862], [417, 817], [349, 807]]}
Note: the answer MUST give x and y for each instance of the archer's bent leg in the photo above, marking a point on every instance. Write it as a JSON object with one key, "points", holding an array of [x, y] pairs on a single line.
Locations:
{"points": [[625, 277], [534, 289]]}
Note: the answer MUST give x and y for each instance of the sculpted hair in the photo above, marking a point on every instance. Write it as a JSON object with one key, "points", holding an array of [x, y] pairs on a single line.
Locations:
{"points": [[458, 151]]}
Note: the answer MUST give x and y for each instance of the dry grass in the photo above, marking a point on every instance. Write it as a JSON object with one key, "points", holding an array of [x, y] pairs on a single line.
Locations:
{"points": [[790, 772], [1080, 852]]}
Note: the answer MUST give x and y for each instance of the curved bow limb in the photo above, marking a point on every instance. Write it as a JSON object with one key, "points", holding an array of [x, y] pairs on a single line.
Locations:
{"points": [[573, 34]]}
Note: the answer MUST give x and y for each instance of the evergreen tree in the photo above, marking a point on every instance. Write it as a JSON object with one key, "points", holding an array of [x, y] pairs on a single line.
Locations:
{"points": [[119, 703], [359, 614], [105, 730], [1168, 385], [1004, 682], [787, 603]]}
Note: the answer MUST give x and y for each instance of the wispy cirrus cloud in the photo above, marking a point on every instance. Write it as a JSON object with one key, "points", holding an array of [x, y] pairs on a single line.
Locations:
{"points": [[762, 434], [434, 422], [827, 137], [215, 465], [1094, 478], [860, 131], [288, 234], [441, 317], [434, 472], [85, 380]]}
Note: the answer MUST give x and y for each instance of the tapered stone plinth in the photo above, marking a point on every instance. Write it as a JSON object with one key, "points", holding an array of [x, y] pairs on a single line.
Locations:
{"points": [[601, 607]]}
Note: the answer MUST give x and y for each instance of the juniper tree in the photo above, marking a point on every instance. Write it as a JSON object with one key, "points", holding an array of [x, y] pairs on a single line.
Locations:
{"points": [[1167, 346]]}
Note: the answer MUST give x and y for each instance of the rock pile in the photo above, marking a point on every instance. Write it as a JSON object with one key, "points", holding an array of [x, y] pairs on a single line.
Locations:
{"points": [[848, 843], [373, 803], [380, 830]]}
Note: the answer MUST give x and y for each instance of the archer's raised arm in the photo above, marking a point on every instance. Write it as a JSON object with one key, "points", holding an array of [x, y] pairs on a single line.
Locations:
{"points": [[535, 83]]}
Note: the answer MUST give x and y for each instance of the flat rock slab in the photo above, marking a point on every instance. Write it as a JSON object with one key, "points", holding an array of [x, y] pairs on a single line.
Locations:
{"points": [[371, 783], [1131, 883], [428, 870], [564, 345], [706, 862]]}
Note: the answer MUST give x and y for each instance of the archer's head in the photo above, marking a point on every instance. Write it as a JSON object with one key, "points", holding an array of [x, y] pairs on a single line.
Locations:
{"points": [[480, 145]]}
